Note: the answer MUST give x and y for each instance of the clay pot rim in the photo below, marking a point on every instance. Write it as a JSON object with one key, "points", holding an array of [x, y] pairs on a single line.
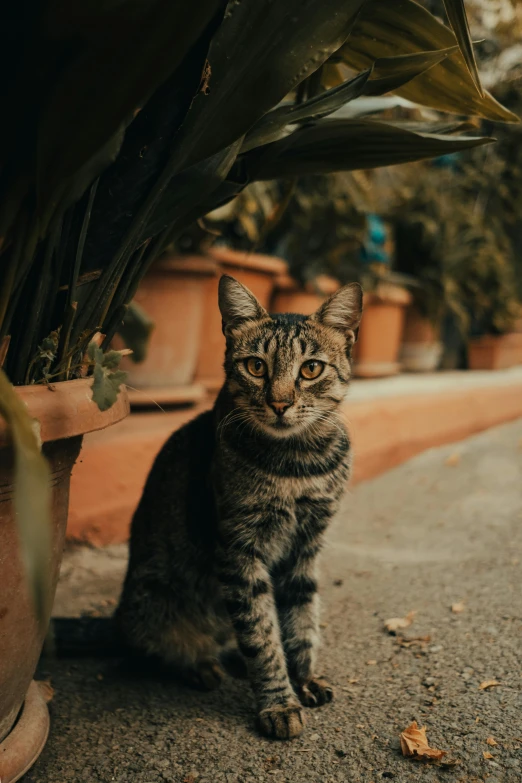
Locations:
{"points": [[185, 265], [242, 259], [66, 409], [26, 740], [388, 293]]}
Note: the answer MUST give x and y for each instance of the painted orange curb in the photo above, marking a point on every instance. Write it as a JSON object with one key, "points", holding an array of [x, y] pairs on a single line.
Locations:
{"points": [[108, 479]]}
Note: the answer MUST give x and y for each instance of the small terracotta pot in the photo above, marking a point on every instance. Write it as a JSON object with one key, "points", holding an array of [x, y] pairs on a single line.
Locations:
{"points": [[174, 293], [495, 352], [376, 352], [290, 297], [421, 349], [254, 270], [64, 416]]}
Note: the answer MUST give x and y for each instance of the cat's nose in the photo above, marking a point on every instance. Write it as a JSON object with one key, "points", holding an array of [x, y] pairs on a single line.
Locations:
{"points": [[280, 407]]}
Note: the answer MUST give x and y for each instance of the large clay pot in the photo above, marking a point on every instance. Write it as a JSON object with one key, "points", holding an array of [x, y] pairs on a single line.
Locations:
{"points": [[65, 414], [495, 352], [377, 349], [290, 297], [255, 271], [421, 348], [174, 294]]}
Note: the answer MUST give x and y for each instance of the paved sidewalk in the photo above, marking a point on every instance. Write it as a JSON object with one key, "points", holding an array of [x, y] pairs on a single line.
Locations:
{"points": [[442, 529]]}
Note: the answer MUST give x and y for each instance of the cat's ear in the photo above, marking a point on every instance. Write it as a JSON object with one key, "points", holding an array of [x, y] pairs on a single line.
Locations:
{"points": [[343, 311], [237, 303]]}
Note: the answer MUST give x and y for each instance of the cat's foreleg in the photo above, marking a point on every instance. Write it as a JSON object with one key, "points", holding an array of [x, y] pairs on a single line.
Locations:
{"points": [[248, 596], [298, 606]]}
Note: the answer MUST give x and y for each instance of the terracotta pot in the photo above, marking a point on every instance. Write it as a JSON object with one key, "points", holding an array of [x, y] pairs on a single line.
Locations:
{"points": [[289, 297], [376, 352], [495, 352], [64, 415], [174, 293], [255, 271], [421, 349]]}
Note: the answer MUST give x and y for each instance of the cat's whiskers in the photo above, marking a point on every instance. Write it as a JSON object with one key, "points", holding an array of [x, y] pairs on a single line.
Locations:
{"points": [[235, 415]]}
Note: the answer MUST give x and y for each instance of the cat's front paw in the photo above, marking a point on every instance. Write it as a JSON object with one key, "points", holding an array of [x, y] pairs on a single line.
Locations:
{"points": [[284, 721], [315, 692]]}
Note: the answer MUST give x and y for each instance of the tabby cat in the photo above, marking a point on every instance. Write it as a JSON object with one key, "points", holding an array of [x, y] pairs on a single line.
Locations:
{"points": [[225, 539]]}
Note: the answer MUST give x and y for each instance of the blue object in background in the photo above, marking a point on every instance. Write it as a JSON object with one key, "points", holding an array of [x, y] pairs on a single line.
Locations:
{"points": [[447, 161], [374, 247]]}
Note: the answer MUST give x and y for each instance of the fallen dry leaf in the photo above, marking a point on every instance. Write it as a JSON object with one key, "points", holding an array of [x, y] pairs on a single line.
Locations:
{"points": [[46, 689], [491, 741], [396, 623], [458, 607], [412, 641], [486, 754], [415, 743], [488, 684], [371, 663], [452, 460]]}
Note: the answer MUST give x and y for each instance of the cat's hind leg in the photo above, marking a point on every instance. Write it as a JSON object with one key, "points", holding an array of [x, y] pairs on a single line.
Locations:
{"points": [[185, 641]]}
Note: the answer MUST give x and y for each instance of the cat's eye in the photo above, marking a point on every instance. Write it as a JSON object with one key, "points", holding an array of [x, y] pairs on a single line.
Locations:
{"points": [[312, 369], [256, 367]]}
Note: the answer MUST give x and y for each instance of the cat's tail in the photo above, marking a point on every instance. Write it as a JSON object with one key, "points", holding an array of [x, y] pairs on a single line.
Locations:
{"points": [[84, 637]]}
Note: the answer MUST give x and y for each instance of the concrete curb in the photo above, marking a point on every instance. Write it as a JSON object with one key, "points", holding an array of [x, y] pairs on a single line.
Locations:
{"points": [[386, 430]]}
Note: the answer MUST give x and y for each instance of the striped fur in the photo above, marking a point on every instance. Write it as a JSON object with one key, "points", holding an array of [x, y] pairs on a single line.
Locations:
{"points": [[224, 542]]}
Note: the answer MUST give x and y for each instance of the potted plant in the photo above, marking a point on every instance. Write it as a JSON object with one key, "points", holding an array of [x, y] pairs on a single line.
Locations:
{"points": [[464, 264], [377, 349], [175, 295], [421, 348], [111, 145]]}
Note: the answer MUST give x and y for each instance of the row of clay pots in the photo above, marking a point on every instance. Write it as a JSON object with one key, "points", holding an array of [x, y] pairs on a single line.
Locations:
{"points": [[64, 412], [185, 354], [186, 350]]}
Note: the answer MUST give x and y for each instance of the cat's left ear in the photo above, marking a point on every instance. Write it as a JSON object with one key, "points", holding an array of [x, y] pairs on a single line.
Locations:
{"points": [[237, 303], [343, 311]]}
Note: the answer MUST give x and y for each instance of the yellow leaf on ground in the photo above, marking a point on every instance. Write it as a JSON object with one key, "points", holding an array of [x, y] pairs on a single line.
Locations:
{"points": [[46, 689], [488, 684], [396, 623], [458, 607], [491, 741], [453, 459], [486, 754], [415, 743]]}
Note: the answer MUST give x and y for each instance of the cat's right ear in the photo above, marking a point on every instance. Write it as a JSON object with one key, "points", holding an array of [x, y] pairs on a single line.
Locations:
{"points": [[237, 303]]}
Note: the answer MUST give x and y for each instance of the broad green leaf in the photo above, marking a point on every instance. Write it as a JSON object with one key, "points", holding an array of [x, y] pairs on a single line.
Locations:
{"points": [[384, 75], [259, 54], [270, 127], [32, 498], [107, 379], [391, 73], [123, 52], [456, 12], [347, 145], [386, 29], [191, 186], [135, 331]]}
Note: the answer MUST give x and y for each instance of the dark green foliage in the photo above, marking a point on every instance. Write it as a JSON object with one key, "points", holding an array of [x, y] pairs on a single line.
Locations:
{"points": [[125, 123]]}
